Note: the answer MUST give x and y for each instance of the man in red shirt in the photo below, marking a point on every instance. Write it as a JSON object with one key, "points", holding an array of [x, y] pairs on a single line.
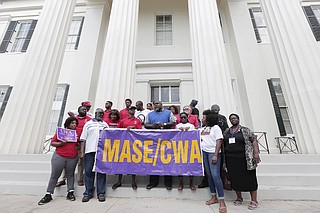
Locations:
{"points": [[82, 118], [124, 112], [108, 106], [193, 119], [130, 122]]}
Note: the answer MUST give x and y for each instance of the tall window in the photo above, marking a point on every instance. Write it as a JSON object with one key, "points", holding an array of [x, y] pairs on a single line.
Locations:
{"points": [[166, 94], [259, 25], [5, 92], [280, 106], [58, 108], [74, 33], [313, 15], [18, 36], [163, 30]]}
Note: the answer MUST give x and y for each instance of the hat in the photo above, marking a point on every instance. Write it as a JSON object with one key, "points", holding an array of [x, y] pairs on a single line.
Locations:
{"points": [[132, 107], [86, 103], [193, 102]]}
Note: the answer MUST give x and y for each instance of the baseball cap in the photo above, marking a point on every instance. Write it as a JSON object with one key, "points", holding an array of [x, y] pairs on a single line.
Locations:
{"points": [[86, 103]]}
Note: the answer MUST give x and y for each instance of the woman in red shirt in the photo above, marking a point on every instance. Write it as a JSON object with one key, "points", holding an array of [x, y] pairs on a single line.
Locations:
{"points": [[65, 157]]}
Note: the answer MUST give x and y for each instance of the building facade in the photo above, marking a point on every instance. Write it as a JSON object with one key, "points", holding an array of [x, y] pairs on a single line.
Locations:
{"points": [[258, 58]]}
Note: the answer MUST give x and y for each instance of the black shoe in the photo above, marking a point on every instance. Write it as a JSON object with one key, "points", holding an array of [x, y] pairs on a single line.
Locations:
{"points": [[46, 199], [116, 185], [85, 199], [169, 187], [61, 183], [101, 198], [203, 185], [150, 186], [70, 196]]}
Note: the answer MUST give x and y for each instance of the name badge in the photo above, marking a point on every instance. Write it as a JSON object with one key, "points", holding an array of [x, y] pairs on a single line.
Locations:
{"points": [[232, 140]]}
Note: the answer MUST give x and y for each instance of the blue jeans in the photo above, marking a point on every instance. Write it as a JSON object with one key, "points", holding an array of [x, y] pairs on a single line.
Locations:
{"points": [[90, 175], [213, 172]]}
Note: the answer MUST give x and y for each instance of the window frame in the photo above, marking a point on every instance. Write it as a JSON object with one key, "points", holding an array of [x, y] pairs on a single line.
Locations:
{"points": [[159, 86], [7, 94], [75, 45], [277, 108], [313, 20], [54, 123], [257, 28], [163, 30], [12, 35]]}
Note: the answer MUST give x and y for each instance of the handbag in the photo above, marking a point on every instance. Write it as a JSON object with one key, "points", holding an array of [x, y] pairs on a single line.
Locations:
{"points": [[224, 173], [225, 179]]}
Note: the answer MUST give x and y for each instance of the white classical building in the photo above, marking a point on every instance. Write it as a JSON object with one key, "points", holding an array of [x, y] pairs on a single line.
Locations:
{"points": [[258, 58]]}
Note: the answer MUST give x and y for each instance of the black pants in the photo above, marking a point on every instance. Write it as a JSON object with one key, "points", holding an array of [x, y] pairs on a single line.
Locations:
{"points": [[154, 180]]}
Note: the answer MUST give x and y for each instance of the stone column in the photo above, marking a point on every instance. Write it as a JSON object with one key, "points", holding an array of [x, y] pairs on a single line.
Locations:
{"points": [[298, 59], [210, 67], [24, 123], [118, 63]]}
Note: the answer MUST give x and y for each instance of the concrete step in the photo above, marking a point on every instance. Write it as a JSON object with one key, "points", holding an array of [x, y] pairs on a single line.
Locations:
{"points": [[295, 177], [25, 165], [309, 167], [290, 158], [264, 192], [289, 179]]}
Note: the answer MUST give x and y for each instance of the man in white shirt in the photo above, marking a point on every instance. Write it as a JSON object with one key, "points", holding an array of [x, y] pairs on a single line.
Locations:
{"points": [[89, 142], [141, 113]]}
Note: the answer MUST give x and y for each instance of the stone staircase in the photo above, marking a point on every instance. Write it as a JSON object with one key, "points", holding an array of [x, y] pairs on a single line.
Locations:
{"points": [[284, 177]]}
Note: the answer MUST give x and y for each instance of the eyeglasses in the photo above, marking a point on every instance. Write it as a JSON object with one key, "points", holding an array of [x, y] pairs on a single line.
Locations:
{"points": [[186, 108]]}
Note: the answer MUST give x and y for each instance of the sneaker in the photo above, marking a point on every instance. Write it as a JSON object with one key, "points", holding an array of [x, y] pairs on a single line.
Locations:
{"points": [[70, 196], [101, 198], [46, 199], [85, 199]]}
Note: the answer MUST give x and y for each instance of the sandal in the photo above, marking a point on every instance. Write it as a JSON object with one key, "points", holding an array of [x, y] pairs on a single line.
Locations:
{"points": [[253, 205], [223, 209], [211, 201], [238, 201], [192, 187]]}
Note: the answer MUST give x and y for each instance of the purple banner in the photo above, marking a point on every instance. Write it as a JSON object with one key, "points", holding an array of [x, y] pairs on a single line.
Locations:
{"points": [[149, 152], [66, 134]]}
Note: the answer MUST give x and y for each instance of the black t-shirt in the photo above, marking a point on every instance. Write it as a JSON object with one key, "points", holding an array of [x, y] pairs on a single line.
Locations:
{"points": [[236, 149]]}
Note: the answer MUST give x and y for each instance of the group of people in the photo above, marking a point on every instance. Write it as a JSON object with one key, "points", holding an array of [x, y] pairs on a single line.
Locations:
{"points": [[237, 146]]}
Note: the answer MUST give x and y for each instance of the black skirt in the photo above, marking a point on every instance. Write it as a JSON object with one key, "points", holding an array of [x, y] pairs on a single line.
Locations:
{"points": [[241, 179]]}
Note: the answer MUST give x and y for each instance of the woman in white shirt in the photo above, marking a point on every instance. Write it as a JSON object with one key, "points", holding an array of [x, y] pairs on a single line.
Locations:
{"points": [[211, 140]]}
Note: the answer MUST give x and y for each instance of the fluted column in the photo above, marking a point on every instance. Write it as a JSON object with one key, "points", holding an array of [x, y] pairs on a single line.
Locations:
{"points": [[24, 123], [299, 64], [118, 63], [210, 67]]}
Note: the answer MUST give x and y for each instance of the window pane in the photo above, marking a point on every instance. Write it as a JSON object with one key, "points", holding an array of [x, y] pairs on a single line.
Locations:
{"points": [[288, 127], [175, 94], [163, 30], [154, 93], [165, 94]]}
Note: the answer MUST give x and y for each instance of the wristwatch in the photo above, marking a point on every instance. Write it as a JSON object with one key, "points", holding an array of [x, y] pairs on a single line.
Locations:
{"points": [[164, 124]]}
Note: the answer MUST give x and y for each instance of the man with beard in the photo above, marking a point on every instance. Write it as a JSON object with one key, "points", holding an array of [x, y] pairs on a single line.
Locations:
{"points": [[108, 106], [160, 118], [124, 113]]}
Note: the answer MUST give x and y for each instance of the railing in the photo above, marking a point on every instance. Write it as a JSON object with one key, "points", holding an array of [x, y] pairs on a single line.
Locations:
{"points": [[47, 146], [263, 142], [287, 144]]}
